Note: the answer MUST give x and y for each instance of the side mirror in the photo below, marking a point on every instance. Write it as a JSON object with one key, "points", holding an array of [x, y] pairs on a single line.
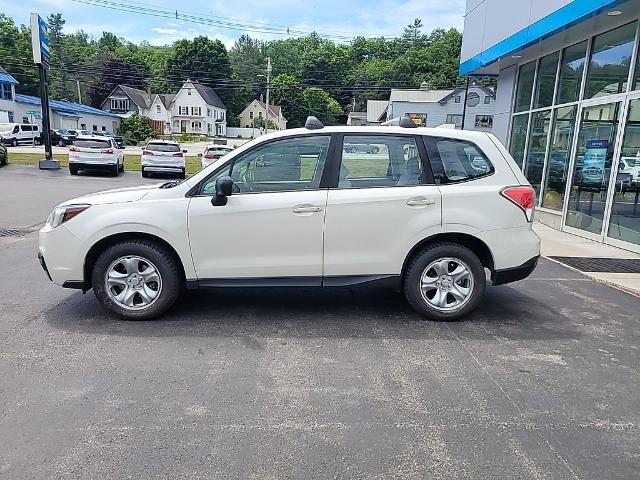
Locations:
{"points": [[224, 189], [184, 151], [199, 155]]}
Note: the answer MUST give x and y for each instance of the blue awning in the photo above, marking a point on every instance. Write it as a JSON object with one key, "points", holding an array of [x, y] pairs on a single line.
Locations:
{"points": [[6, 78]]}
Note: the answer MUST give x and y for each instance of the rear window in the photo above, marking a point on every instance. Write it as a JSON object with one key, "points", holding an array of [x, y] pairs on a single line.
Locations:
{"points": [[455, 160], [163, 147], [93, 143]]}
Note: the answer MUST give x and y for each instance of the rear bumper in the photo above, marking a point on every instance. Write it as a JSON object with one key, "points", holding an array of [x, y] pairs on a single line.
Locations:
{"points": [[162, 168], [94, 166], [509, 275]]}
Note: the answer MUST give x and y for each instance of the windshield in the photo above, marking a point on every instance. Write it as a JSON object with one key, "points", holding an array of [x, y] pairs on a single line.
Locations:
{"points": [[6, 127], [92, 143], [163, 147], [62, 131]]}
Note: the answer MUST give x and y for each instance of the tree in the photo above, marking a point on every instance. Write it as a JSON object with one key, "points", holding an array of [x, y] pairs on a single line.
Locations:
{"points": [[287, 92], [109, 42], [412, 31], [248, 61], [319, 103], [15, 55], [135, 129], [261, 122], [111, 73]]}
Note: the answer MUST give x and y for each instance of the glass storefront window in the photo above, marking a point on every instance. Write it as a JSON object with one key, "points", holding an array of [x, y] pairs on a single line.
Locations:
{"points": [[546, 80], [610, 61], [537, 149], [518, 138], [559, 155], [594, 157], [525, 87], [624, 223], [571, 69]]}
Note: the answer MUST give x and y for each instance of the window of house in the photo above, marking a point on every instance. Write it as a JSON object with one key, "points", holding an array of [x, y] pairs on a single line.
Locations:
{"points": [[379, 161], [457, 99], [196, 111], [183, 110], [157, 108], [546, 80], [537, 147], [25, 119], [525, 86], [104, 129], [571, 68], [484, 121], [83, 126], [5, 91], [196, 125], [208, 112], [609, 63], [120, 104], [260, 114], [95, 128], [455, 119], [188, 91], [455, 160], [222, 116], [487, 100], [518, 137], [290, 164], [251, 115]]}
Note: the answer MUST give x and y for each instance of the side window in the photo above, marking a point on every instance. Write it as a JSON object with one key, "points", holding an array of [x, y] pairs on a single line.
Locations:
{"points": [[26, 128], [16, 129], [455, 160], [379, 161], [281, 166]]}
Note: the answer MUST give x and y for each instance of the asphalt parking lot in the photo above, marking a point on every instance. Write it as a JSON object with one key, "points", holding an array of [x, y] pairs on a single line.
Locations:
{"points": [[542, 382]]}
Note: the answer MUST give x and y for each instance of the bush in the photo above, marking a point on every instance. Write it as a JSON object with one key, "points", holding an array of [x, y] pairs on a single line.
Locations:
{"points": [[185, 137], [135, 129]]}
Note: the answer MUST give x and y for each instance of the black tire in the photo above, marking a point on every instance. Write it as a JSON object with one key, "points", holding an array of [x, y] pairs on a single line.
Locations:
{"points": [[122, 167], [14, 142], [116, 170], [36, 141], [423, 259], [168, 268], [144, 173], [61, 143], [73, 169], [183, 175]]}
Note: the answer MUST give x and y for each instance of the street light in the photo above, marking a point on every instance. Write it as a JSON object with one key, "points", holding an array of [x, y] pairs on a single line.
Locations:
{"points": [[268, 77]]}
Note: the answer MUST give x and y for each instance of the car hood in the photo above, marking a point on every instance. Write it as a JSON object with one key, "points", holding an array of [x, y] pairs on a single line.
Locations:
{"points": [[118, 195]]}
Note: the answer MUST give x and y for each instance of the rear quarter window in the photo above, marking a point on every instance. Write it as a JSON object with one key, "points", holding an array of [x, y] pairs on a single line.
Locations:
{"points": [[453, 160]]}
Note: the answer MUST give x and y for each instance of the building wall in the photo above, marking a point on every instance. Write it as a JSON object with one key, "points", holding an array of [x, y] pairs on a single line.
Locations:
{"points": [[163, 116], [504, 103], [437, 112], [257, 109], [59, 121], [208, 123], [7, 106], [235, 132], [485, 24]]}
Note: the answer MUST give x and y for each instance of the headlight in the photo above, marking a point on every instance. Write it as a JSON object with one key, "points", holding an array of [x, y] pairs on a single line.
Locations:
{"points": [[64, 214]]}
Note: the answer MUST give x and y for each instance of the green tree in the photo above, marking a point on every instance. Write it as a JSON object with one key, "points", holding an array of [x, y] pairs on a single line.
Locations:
{"points": [[111, 73], [412, 31], [319, 103], [135, 129], [248, 61], [287, 92]]}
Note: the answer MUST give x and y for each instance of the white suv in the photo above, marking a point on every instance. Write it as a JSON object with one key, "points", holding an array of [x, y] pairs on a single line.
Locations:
{"points": [[95, 152], [428, 212], [161, 156]]}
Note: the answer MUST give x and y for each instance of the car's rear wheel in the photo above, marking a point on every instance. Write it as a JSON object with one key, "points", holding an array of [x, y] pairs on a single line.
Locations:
{"points": [[444, 281], [145, 174], [14, 142], [116, 170], [61, 143], [137, 280], [183, 175], [73, 169], [122, 167]]}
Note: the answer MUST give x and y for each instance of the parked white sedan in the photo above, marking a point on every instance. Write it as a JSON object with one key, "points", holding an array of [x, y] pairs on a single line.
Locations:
{"points": [[292, 209], [163, 156]]}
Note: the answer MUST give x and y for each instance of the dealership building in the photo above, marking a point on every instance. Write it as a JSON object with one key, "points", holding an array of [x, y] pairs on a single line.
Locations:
{"points": [[567, 105]]}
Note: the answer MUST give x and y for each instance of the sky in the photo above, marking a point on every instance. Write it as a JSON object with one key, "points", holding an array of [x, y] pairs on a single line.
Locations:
{"points": [[336, 19]]}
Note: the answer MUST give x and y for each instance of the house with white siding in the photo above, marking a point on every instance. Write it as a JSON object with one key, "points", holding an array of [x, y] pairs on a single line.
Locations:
{"points": [[431, 108]]}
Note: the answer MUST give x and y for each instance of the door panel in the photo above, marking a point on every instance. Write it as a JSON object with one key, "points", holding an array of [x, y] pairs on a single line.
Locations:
{"points": [[380, 209], [258, 235]]}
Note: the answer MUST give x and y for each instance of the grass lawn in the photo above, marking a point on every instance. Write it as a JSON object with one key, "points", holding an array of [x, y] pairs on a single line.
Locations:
{"points": [[131, 162]]}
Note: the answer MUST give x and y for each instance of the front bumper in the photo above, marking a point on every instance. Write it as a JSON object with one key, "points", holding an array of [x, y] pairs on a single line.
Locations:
{"points": [[61, 255], [509, 275]]}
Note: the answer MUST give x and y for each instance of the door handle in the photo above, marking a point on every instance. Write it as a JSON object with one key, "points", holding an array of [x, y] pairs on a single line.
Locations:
{"points": [[306, 209], [420, 202]]}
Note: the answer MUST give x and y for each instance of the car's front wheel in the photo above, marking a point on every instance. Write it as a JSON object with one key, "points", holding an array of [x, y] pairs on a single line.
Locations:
{"points": [[137, 280], [444, 281]]}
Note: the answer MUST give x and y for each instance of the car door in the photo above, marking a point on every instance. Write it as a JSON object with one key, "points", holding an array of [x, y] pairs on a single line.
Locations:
{"points": [[271, 228], [385, 202]]}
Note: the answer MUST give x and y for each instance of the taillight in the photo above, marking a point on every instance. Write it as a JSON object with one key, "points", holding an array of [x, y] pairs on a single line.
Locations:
{"points": [[209, 156], [108, 150], [179, 154], [524, 197], [147, 152], [74, 149]]}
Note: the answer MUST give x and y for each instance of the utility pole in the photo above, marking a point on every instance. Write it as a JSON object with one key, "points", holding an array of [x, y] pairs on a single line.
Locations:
{"points": [[268, 91], [79, 93]]}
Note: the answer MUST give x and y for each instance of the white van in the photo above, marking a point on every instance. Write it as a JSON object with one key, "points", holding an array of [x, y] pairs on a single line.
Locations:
{"points": [[16, 133]]}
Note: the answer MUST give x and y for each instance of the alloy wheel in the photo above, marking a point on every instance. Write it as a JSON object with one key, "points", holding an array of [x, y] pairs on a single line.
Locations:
{"points": [[133, 282], [446, 284]]}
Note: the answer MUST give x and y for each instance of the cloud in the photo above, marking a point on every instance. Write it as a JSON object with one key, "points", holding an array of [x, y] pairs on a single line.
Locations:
{"points": [[165, 31]]}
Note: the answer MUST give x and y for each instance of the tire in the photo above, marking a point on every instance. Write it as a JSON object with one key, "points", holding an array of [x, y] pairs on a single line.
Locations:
{"points": [[122, 167], [73, 169], [437, 300], [183, 175], [61, 143], [36, 141], [144, 173], [14, 142], [116, 170], [139, 256]]}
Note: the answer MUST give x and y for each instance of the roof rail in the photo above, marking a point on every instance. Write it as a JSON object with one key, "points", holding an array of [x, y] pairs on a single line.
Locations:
{"points": [[406, 122], [313, 123]]}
